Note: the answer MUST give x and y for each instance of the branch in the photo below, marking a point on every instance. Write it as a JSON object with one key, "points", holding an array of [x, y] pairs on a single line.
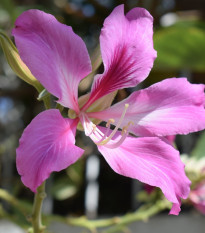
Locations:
{"points": [[142, 214]]}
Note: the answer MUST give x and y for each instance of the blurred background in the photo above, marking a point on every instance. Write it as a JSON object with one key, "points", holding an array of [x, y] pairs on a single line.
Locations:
{"points": [[90, 187]]}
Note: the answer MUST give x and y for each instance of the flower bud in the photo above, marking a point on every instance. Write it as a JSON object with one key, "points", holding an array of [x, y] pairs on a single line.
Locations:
{"points": [[15, 62]]}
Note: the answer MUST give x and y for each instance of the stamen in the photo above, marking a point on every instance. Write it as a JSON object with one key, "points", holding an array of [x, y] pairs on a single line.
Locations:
{"points": [[88, 126], [125, 132], [125, 128], [105, 141], [94, 127], [102, 139], [110, 121]]}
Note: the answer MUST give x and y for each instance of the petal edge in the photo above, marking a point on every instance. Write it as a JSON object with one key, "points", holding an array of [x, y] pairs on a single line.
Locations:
{"points": [[154, 162]]}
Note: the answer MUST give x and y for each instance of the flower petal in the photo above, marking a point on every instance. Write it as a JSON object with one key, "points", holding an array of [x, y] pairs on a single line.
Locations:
{"points": [[173, 106], [127, 51], [47, 145], [197, 197], [56, 56], [154, 162]]}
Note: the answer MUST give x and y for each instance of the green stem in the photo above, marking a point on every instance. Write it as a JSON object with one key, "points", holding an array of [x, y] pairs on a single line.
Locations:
{"points": [[116, 223], [40, 194], [47, 102], [143, 214], [37, 206]]}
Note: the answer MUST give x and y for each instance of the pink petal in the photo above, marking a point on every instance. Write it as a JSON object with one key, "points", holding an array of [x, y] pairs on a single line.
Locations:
{"points": [[47, 145], [56, 56], [200, 207], [127, 51], [197, 197], [173, 106], [154, 162], [176, 208], [171, 139]]}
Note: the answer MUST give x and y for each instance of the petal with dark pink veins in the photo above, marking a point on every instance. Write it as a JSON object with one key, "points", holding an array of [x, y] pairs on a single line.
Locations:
{"points": [[127, 51]]}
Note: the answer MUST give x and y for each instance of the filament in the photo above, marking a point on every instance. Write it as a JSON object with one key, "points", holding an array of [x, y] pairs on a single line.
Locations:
{"points": [[116, 127], [124, 133], [107, 131], [102, 139]]}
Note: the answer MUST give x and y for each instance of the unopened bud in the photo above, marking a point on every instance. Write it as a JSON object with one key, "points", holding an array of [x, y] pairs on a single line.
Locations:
{"points": [[15, 62]]}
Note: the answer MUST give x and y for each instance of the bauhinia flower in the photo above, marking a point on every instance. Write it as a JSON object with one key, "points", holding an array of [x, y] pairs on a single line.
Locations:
{"points": [[197, 197], [136, 147], [195, 169]]}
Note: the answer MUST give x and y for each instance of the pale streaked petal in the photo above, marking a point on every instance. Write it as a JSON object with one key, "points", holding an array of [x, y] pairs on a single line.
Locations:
{"points": [[47, 145], [154, 162], [173, 106], [56, 56], [197, 197]]}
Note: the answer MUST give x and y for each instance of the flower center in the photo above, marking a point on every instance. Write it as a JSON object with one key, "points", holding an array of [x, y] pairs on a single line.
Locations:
{"points": [[106, 138], [105, 141]]}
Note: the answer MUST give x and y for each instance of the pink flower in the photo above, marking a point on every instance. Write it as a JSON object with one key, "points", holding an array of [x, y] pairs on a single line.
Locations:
{"points": [[58, 58], [197, 197]]}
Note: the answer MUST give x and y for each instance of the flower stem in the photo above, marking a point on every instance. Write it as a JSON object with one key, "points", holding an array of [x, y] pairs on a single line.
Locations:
{"points": [[36, 221], [37, 206]]}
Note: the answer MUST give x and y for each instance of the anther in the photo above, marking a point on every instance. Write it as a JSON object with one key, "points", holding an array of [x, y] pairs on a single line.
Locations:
{"points": [[126, 106], [94, 127], [125, 128], [110, 121], [125, 132]]}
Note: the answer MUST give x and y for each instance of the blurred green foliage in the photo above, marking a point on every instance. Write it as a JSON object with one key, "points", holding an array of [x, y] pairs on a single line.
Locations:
{"points": [[181, 46], [199, 150], [10, 7], [67, 186]]}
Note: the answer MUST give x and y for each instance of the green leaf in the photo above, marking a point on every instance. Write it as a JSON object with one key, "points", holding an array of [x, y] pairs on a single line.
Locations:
{"points": [[181, 46]]}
